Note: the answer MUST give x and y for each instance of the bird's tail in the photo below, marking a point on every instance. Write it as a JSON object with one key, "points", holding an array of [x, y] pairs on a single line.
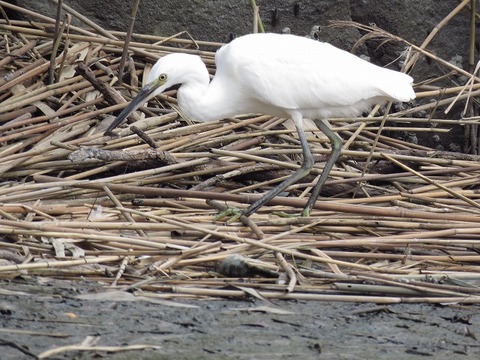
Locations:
{"points": [[399, 87]]}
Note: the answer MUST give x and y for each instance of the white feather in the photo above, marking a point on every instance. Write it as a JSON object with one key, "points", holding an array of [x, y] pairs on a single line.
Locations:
{"points": [[278, 74]]}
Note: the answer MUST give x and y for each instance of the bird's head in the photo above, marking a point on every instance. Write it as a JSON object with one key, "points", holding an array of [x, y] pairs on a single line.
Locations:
{"points": [[170, 70]]}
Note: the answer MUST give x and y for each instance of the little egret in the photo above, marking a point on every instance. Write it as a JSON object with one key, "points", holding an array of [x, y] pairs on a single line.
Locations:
{"points": [[282, 75]]}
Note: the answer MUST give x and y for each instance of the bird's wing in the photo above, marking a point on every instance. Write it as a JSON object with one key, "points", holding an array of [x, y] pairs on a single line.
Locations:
{"points": [[290, 72]]}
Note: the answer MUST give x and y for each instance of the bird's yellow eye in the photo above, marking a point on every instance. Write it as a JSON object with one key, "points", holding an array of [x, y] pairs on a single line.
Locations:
{"points": [[162, 77]]}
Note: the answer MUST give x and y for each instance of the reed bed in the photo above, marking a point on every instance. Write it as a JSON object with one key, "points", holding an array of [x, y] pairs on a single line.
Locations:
{"points": [[397, 222]]}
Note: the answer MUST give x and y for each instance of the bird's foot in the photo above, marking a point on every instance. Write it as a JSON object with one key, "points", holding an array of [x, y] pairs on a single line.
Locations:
{"points": [[306, 213], [283, 214], [231, 212]]}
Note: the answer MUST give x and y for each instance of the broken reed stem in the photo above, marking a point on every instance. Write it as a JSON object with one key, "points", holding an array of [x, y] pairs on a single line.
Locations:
{"points": [[57, 264], [434, 32], [327, 297], [136, 47], [451, 192], [288, 270], [127, 40]]}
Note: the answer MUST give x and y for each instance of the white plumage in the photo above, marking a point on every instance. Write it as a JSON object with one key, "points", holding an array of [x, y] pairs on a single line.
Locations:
{"points": [[282, 75]]}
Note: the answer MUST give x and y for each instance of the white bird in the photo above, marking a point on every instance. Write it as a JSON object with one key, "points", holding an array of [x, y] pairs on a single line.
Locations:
{"points": [[282, 75]]}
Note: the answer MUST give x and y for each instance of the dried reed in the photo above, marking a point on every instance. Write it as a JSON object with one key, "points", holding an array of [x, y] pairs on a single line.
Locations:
{"points": [[405, 231]]}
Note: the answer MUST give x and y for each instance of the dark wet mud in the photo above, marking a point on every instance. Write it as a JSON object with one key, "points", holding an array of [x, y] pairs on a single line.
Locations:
{"points": [[36, 317]]}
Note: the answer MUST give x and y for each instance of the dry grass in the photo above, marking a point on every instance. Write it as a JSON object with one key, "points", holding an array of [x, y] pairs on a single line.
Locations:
{"points": [[400, 224]]}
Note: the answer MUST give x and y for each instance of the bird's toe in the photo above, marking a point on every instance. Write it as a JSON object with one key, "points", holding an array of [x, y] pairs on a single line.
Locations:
{"points": [[231, 212]]}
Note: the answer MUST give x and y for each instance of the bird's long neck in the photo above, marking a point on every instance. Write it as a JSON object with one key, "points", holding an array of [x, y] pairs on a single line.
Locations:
{"points": [[201, 100]]}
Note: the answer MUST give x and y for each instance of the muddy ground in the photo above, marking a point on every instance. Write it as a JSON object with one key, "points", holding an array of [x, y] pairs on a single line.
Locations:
{"points": [[40, 315]]}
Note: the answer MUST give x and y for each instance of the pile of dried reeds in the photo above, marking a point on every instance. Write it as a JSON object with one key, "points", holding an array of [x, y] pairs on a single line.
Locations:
{"points": [[402, 226]]}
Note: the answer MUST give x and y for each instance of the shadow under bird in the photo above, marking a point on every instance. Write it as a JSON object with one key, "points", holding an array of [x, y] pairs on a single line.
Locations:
{"points": [[282, 75]]}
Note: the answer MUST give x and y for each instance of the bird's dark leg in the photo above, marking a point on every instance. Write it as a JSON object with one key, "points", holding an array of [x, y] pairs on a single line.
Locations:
{"points": [[336, 142], [298, 175]]}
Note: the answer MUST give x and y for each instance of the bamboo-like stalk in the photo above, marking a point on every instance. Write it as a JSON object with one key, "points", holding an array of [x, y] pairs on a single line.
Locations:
{"points": [[437, 28], [136, 47], [327, 297], [127, 40], [66, 263]]}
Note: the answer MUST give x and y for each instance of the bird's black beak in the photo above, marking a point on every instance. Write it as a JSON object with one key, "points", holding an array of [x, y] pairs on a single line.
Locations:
{"points": [[145, 94]]}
